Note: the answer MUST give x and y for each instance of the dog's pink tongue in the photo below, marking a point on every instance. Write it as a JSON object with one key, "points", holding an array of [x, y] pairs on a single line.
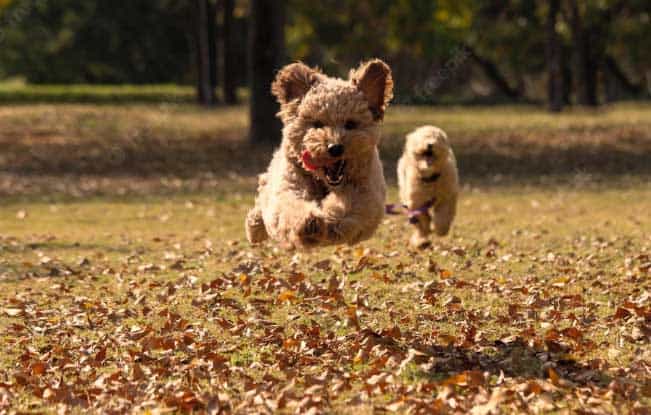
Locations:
{"points": [[308, 162]]}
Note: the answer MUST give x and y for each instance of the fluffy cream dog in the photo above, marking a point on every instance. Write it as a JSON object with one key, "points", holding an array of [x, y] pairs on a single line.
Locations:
{"points": [[429, 181], [325, 183]]}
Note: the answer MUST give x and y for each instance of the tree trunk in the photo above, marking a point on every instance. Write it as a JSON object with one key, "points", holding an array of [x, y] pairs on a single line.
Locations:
{"points": [[230, 63], [567, 75], [554, 60], [212, 43], [266, 55], [205, 54], [631, 88], [493, 73], [585, 65]]}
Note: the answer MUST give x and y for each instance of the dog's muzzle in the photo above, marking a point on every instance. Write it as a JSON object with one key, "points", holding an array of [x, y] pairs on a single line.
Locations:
{"points": [[333, 172]]}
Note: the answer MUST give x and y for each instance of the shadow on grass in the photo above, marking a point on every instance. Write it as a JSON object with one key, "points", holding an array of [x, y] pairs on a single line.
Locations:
{"points": [[515, 360], [145, 158], [15, 268], [13, 245], [525, 157]]}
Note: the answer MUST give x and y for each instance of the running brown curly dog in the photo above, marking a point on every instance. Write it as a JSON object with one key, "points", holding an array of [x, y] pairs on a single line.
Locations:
{"points": [[325, 184]]}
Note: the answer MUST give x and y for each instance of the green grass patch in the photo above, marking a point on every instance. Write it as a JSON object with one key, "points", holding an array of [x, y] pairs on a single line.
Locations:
{"points": [[16, 93]]}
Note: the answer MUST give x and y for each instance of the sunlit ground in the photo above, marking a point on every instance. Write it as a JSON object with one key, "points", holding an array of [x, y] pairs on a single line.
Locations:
{"points": [[127, 283]]}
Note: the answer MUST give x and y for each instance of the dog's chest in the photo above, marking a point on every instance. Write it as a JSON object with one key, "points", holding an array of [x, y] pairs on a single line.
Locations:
{"points": [[430, 179], [321, 192], [315, 190]]}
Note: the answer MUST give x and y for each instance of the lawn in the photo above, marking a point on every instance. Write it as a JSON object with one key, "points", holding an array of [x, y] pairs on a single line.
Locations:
{"points": [[127, 284], [21, 93]]}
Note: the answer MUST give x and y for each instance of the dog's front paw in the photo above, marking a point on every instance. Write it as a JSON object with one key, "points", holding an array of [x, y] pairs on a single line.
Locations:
{"points": [[255, 228], [340, 231], [419, 241], [312, 231]]}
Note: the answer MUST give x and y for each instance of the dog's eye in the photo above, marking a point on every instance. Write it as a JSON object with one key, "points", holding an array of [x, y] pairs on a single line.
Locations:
{"points": [[317, 124], [350, 125]]}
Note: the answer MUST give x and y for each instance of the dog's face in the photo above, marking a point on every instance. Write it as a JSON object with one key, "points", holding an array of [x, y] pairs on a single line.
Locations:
{"points": [[429, 148], [329, 123]]}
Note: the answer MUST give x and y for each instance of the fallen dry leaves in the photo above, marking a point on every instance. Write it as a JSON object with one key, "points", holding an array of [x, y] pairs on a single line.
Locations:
{"points": [[176, 320], [317, 336]]}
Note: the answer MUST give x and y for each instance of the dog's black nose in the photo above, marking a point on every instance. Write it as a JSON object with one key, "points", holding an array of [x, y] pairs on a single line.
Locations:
{"points": [[336, 150]]}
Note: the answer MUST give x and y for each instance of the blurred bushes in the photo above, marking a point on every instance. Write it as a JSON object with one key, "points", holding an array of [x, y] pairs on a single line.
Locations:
{"points": [[440, 50], [96, 41]]}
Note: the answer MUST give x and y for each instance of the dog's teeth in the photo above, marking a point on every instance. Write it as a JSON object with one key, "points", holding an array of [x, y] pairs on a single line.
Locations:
{"points": [[335, 173]]}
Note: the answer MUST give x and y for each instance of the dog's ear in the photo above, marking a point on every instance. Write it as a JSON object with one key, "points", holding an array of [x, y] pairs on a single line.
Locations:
{"points": [[444, 138], [293, 81], [373, 78]]}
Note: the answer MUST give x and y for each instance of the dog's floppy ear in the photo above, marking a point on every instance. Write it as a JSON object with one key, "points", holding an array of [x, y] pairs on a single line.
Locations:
{"points": [[373, 78], [293, 81]]}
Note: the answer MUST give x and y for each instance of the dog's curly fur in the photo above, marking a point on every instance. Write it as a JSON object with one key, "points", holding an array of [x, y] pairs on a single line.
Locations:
{"points": [[427, 174], [311, 195]]}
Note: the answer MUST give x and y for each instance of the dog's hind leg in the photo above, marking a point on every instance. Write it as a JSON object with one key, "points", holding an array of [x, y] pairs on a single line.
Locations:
{"points": [[254, 224], [444, 214]]}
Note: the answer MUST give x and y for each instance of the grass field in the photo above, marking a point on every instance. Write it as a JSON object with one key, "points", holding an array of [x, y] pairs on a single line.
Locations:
{"points": [[127, 284], [21, 93]]}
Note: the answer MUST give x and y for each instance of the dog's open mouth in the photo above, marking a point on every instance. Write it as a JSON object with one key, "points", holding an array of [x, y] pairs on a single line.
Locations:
{"points": [[334, 173]]}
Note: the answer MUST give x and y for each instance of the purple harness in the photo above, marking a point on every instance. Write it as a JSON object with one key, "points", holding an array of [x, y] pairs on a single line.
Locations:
{"points": [[412, 214]]}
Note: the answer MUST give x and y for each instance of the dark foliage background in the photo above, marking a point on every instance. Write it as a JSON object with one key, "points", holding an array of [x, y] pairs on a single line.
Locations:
{"points": [[443, 50]]}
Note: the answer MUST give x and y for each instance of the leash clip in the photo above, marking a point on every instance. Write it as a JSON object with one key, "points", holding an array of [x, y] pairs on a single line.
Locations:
{"points": [[412, 214]]}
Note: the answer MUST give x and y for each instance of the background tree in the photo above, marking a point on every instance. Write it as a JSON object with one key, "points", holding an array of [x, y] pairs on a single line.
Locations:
{"points": [[584, 62], [554, 55], [92, 41], [266, 56], [591, 25], [230, 62], [441, 51], [627, 61], [206, 51]]}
